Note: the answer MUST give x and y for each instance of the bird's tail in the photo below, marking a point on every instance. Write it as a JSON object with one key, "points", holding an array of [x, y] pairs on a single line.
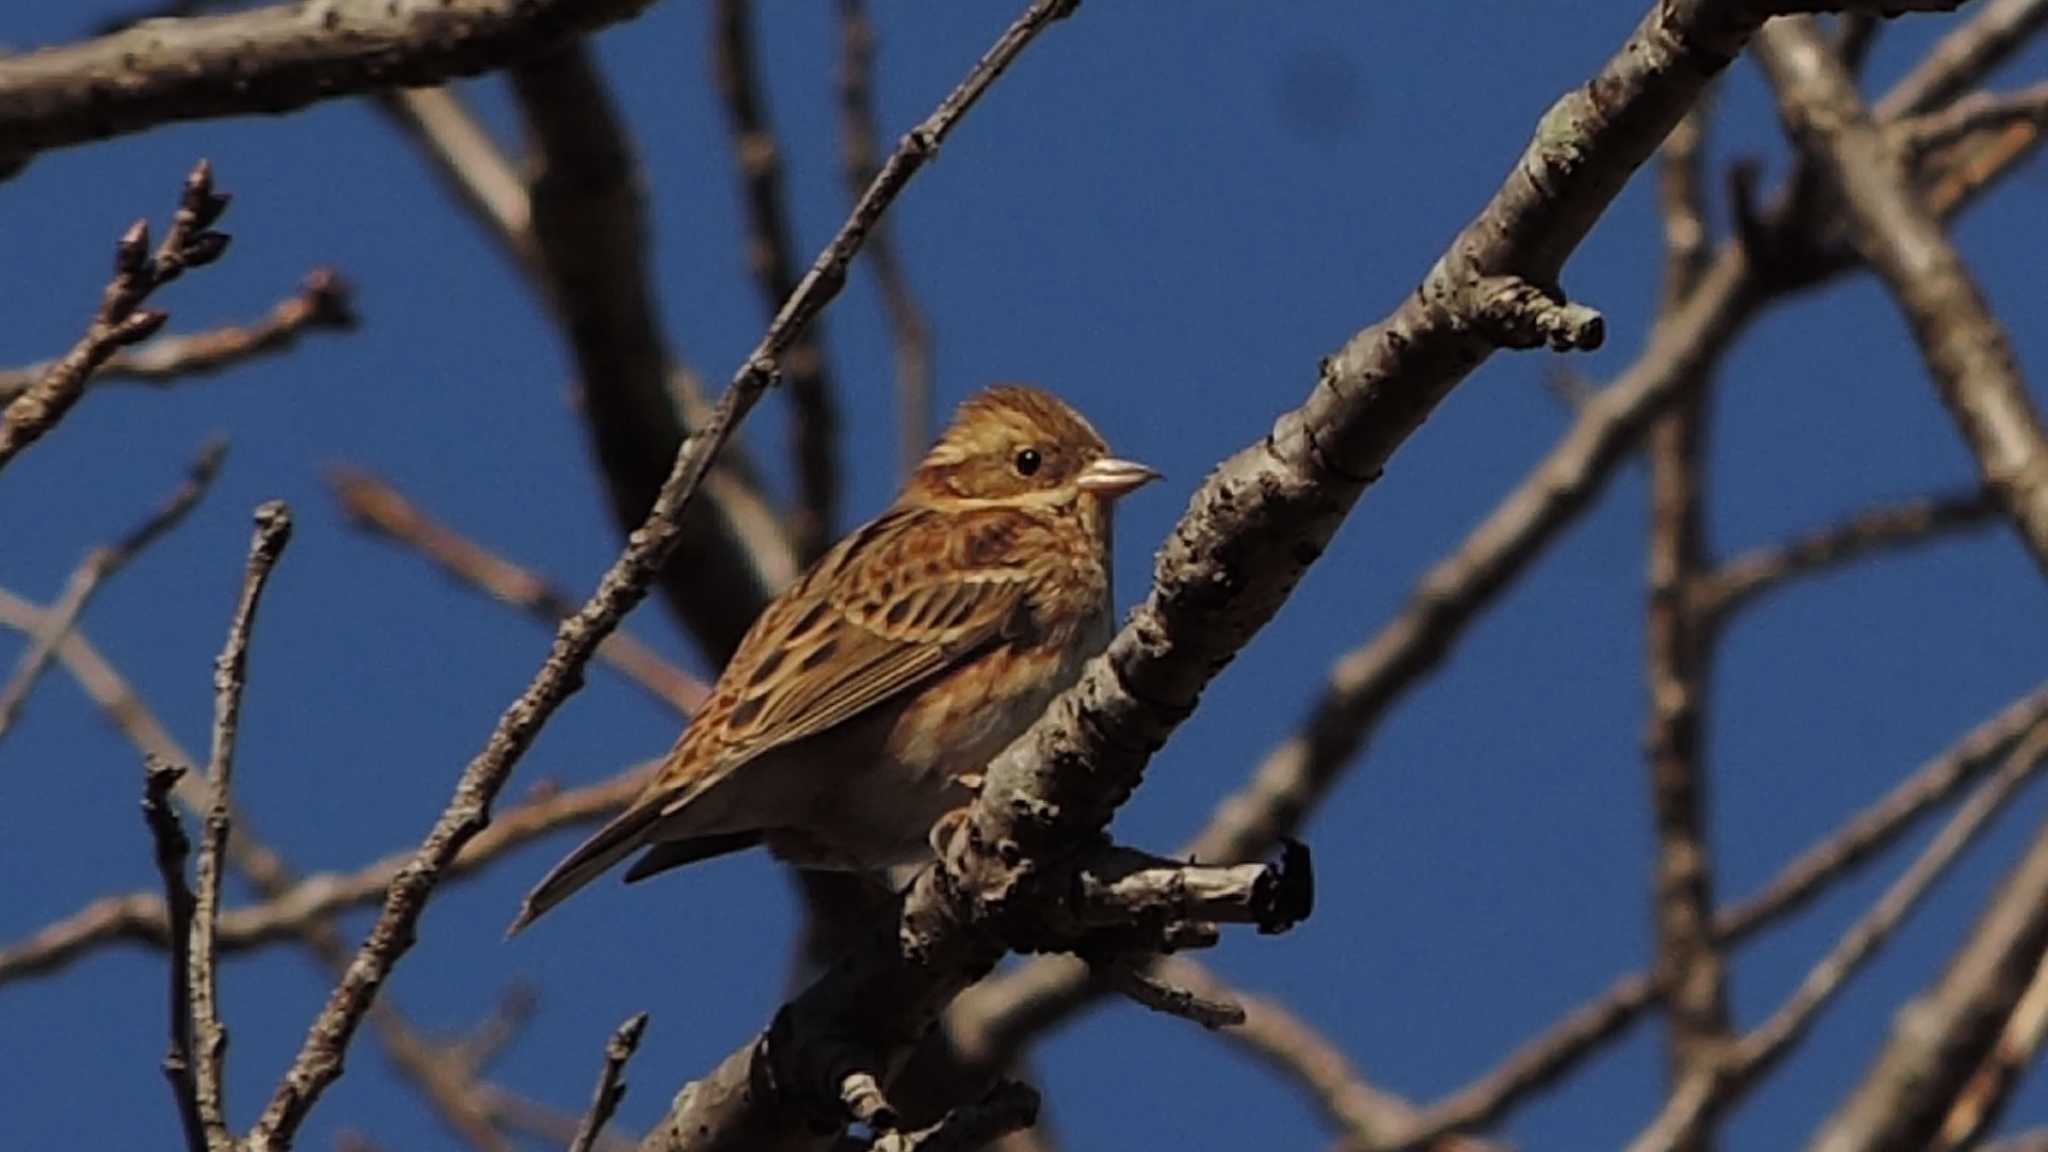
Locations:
{"points": [[606, 847]]}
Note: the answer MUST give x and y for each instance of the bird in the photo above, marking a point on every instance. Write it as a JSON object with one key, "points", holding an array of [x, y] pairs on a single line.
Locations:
{"points": [[868, 696]]}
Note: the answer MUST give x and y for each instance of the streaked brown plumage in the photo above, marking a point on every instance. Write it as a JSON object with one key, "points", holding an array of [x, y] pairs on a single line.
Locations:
{"points": [[907, 657]]}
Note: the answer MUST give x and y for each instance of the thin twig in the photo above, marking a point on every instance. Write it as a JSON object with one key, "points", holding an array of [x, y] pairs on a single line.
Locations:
{"points": [[1739, 580], [1294, 1047], [230, 676], [375, 506], [1977, 112], [172, 848], [1967, 352], [322, 303], [1680, 643], [456, 1096], [318, 1062], [857, 134], [1714, 1090], [100, 565], [140, 917], [771, 257], [611, 1087], [1964, 56], [471, 166], [121, 321], [1554, 1052]]}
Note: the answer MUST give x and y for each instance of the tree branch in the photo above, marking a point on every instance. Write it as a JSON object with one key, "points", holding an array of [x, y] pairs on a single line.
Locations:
{"points": [[1715, 1089], [1979, 1102], [1550, 1055], [1738, 581], [857, 133], [589, 218], [376, 507], [771, 257], [271, 60], [190, 242], [1679, 649], [172, 849], [1945, 1035], [99, 566], [611, 1088], [1966, 351], [318, 1063], [230, 674], [322, 303]]}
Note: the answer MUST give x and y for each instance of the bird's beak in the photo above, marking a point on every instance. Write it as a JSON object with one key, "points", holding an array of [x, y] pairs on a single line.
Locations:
{"points": [[1110, 477]]}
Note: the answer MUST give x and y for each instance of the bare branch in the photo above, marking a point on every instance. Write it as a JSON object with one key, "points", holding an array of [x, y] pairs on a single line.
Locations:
{"points": [[1737, 581], [1557, 1050], [1943, 1037], [318, 1063], [990, 1026], [321, 303], [611, 1088], [771, 257], [1966, 351], [314, 900], [1975, 113], [1282, 497], [172, 849], [270, 60], [857, 134], [376, 507], [461, 1101], [1715, 1089], [190, 242], [1961, 59], [100, 565], [1679, 648], [1209, 1009], [1008, 1107], [589, 219], [1978, 1104], [230, 674], [470, 165]]}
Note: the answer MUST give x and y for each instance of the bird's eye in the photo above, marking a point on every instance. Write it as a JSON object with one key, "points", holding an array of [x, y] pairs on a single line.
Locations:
{"points": [[1028, 462]]}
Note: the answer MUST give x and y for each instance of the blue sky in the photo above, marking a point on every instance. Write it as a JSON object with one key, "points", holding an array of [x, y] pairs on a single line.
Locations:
{"points": [[1167, 216]]}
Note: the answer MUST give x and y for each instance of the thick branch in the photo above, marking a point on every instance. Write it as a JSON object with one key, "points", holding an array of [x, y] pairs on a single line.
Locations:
{"points": [[589, 217], [275, 59], [1218, 581], [1966, 351], [318, 1063]]}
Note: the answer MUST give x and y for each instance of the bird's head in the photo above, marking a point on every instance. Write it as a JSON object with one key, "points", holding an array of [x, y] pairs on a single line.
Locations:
{"points": [[1013, 444]]}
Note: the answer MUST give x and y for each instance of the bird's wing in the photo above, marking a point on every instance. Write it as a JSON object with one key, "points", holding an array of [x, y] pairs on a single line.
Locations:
{"points": [[900, 601], [903, 599]]}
